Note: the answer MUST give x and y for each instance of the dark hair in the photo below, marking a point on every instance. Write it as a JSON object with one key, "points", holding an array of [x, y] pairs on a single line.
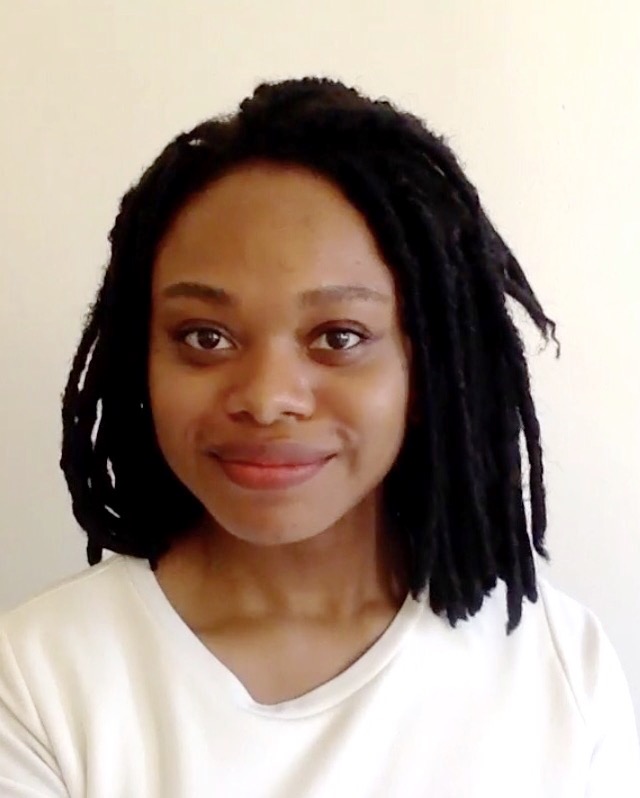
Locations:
{"points": [[455, 493]]}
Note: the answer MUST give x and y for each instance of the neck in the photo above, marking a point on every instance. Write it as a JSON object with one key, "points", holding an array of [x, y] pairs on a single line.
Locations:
{"points": [[336, 574]]}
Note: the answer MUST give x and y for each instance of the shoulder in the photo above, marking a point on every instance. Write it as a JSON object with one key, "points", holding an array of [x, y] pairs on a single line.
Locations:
{"points": [[566, 647], [52, 646], [56, 647], [599, 686], [578, 640], [560, 650], [72, 609], [587, 656]]}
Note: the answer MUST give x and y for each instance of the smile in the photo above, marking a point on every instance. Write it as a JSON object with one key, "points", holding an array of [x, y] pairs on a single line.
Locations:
{"points": [[269, 476]]}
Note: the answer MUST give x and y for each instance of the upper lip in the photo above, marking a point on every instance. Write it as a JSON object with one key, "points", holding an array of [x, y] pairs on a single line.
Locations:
{"points": [[272, 453]]}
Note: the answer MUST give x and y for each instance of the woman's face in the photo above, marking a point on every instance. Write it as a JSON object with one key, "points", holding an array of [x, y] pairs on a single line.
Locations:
{"points": [[278, 371]]}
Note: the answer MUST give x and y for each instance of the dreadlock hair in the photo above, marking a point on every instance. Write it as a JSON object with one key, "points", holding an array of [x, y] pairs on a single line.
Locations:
{"points": [[455, 494]]}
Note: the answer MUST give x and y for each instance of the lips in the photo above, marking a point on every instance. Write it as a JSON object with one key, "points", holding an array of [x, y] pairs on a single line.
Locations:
{"points": [[272, 453], [270, 465]]}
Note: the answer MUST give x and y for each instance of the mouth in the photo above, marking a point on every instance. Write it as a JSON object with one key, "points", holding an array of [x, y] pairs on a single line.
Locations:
{"points": [[272, 465], [261, 476]]}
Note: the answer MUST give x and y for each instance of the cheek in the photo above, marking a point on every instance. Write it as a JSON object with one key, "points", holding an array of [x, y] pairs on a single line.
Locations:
{"points": [[385, 406], [178, 401], [373, 403]]}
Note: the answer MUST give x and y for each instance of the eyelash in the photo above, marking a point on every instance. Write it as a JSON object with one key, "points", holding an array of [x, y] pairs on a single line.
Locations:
{"points": [[182, 335]]}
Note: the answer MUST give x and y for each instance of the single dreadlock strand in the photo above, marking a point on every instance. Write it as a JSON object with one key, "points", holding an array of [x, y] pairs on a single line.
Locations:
{"points": [[72, 389], [512, 491]]}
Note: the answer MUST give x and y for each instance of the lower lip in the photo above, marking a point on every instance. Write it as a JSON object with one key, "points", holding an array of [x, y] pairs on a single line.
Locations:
{"points": [[263, 477]]}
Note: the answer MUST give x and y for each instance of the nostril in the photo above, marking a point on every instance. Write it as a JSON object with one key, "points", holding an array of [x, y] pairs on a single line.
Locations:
{"points": [[268, 404]]}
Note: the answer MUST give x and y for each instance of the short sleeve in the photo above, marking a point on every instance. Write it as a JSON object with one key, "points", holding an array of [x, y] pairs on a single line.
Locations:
{"points": [[615, 764], [602, 695], [27, 767]]}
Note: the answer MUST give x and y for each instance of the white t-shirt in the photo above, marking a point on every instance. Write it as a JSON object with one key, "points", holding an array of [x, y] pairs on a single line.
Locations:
{"points": [[106, 693]]}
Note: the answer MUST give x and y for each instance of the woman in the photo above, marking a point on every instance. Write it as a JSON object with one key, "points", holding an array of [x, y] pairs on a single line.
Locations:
{"points": [[295, 416]]}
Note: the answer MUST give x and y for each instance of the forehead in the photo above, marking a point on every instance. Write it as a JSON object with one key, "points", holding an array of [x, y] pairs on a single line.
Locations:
{"points": [[280, 224]]}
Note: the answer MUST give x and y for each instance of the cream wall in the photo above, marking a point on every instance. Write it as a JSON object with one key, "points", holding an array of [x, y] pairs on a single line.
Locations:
{"points": [[540, 98]]}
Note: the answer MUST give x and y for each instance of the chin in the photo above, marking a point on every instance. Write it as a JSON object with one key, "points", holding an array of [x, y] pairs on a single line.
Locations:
{"points": [[272, 528]]}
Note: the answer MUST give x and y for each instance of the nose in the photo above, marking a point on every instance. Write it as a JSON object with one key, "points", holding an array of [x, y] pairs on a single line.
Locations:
{"points": [[270, 385]]}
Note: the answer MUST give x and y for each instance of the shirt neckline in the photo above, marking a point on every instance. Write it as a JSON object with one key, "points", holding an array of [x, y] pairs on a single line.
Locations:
{"points": [[188, 646]]}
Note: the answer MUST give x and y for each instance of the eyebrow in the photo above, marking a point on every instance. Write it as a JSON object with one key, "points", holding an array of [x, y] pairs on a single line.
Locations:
{"points": [[315, 296], [215, 296]]}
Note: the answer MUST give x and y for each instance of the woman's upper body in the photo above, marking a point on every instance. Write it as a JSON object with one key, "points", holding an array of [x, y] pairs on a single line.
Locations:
{"points": [[296, 413], [105, 692]]}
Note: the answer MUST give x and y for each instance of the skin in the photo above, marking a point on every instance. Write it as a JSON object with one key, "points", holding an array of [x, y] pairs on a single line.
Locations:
{"points": [[288, 586]]}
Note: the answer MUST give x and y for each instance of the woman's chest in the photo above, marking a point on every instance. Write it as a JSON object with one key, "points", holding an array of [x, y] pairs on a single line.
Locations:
{"points": [[277, 662], [410, 730]]}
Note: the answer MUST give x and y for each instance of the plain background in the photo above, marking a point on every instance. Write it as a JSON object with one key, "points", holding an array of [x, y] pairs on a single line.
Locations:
{"points": [[539, 98]]}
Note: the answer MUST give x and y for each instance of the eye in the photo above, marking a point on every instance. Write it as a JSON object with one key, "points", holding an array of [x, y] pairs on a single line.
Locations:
{"points": [[205, 339], [338, 340]]}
